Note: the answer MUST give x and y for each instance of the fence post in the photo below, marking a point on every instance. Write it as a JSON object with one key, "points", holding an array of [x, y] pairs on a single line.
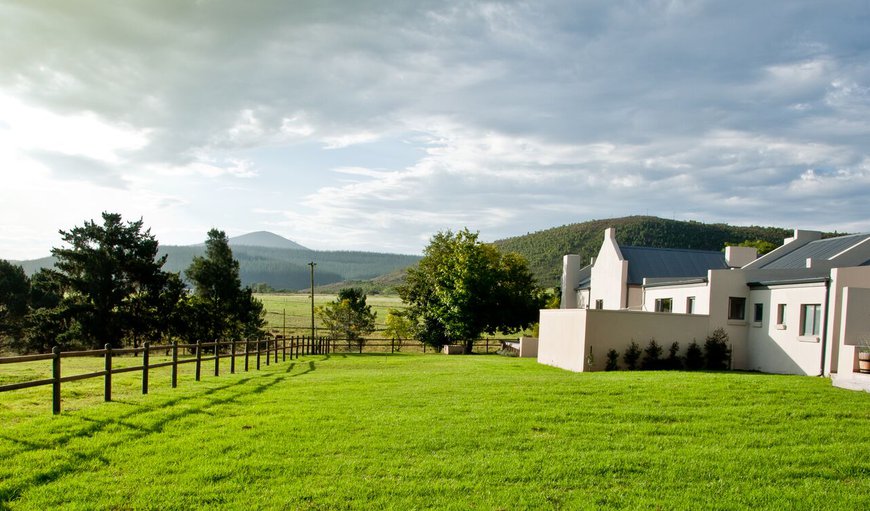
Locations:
{"points": [[487, 345], [268, 352], [247, 351], [146, 345], [198, 359], [283, 349], [233, 356], [174, 364], [259, 343], [392, 345], [55, 385], [107, 392], [296, 339], [217, 358], [276, 351]]}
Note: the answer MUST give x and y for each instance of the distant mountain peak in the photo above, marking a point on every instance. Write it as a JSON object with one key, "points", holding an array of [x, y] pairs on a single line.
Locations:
{"points": [[264, 239]]}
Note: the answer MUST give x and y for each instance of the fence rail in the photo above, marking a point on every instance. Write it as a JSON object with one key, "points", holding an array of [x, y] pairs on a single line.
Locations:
{"points": [[256, 351]]}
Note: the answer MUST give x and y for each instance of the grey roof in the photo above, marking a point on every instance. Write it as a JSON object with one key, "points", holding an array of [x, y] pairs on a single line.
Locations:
{"points": [[819, 249], [585, 277], [770, 277], [645, 262], [673, 281]]}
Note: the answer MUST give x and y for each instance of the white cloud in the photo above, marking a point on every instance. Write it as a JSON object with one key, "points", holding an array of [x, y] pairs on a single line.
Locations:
{"points": [[373, 125]]}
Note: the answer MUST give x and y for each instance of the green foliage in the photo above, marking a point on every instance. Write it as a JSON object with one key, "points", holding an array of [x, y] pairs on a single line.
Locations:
{"points": [[612, 360], [228, 309], [108, 271], [544, 249], [349, 317], [652, 356], [631, 356], [694, 357], [14, 300], [462, 288], [673, 362], [399, 327], [717, 353], [762, 246]]}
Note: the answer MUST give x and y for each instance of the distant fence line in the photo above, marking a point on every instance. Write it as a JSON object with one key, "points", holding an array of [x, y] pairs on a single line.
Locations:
{"points": [[262, 349]]}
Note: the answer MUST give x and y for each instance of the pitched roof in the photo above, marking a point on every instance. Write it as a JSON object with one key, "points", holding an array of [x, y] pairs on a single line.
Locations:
{"points": [[819, 249], [645, 262]]}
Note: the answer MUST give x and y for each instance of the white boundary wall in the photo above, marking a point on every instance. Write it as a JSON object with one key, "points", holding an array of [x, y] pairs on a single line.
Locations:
{"points": [[566, 336]]}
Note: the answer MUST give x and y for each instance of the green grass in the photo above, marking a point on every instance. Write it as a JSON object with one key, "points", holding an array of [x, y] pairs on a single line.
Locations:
{"points": [[297, 308], [436, 432]]}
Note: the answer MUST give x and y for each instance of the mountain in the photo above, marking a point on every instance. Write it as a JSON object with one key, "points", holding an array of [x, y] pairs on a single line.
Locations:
{"points": [[264, 239], [544, 249], [280, 263]]}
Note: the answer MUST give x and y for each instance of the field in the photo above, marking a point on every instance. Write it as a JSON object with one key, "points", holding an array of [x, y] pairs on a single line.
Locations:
{"points": [[436, 432], [296, 308]]}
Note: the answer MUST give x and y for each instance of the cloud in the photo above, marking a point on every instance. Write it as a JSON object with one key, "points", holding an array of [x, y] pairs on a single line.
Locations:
{"points": [[523, 115]]}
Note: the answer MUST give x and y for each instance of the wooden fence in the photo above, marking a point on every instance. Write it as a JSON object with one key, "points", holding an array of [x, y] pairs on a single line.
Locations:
{"points": [[259, 350]]}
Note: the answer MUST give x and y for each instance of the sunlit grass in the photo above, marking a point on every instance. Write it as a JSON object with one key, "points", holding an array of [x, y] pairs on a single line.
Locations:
{"points": [[438, 432], [293, 311]]}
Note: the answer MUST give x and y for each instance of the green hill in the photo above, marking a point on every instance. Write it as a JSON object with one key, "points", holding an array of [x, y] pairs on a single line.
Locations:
{"points": [[280, 268], [544, 249]]}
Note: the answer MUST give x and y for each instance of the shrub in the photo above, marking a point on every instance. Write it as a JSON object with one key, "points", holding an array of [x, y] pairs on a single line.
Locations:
{"points": [[673, 362], [716, 350], [612, 358], [652, 356], [694, 357], [631, 355]]}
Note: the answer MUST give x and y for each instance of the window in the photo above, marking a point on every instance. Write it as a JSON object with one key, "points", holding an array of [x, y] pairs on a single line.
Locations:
{"points": [[736, 308], [811, 318], [758, 313], [664, 304], [599, 304], [690, 305], [780, 314]]}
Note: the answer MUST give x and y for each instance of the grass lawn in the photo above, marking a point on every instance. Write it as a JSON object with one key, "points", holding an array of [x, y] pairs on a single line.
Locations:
{"points": [[297, 308], [435, 432]]}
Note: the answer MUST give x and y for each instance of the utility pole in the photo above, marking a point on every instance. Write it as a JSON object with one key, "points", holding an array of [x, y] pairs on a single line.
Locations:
{"points": [[312, 264]]}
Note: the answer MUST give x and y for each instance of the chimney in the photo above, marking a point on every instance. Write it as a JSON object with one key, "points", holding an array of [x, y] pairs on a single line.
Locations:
{"points": [[737, 257]]}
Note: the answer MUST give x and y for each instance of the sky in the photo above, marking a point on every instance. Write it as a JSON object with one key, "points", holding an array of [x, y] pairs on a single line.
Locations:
{"points": [[372, 125]]}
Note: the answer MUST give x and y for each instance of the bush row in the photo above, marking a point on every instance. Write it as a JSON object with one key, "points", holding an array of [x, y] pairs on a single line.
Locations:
{"points": [[716, 355]]}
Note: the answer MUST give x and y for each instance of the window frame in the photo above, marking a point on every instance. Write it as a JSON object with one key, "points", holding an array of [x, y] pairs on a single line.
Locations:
{"points": [[781, 311], [664, 305], [690, 305], [758, 312], [732, 303], [815, 324]]}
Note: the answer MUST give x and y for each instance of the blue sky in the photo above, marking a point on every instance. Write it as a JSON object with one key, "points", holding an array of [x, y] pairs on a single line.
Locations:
{"points": [[371, 125]]}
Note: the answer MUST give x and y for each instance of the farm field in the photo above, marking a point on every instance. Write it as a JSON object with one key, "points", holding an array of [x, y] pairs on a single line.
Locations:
{"points": [[410, 431], [297, 308]]}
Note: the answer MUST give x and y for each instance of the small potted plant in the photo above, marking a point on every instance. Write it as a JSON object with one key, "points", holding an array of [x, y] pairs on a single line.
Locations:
{"points": [[864, 356]]}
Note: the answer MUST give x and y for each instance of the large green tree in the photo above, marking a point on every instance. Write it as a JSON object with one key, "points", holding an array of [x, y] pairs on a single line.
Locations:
{"points": [[14, 300], [463, 288], [231, 310], [106, 271], [349, 317]]}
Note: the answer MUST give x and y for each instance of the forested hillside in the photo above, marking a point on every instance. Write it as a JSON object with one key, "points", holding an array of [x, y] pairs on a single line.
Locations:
{"points": [[544, 249], [280, 268]]}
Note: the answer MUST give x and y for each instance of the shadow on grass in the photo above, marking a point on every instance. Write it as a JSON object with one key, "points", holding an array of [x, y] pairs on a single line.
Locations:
{"points": [[169, 412]]}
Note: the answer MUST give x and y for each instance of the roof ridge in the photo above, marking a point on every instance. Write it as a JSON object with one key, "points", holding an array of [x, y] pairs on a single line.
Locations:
{"points": [[675, 249]]}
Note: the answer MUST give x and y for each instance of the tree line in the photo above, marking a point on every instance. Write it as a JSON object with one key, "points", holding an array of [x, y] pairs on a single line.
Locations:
{"points": [[460, 289], [108, 286]]}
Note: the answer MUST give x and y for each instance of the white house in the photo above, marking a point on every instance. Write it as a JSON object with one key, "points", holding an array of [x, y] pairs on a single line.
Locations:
{"points": [[800, 309]]}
